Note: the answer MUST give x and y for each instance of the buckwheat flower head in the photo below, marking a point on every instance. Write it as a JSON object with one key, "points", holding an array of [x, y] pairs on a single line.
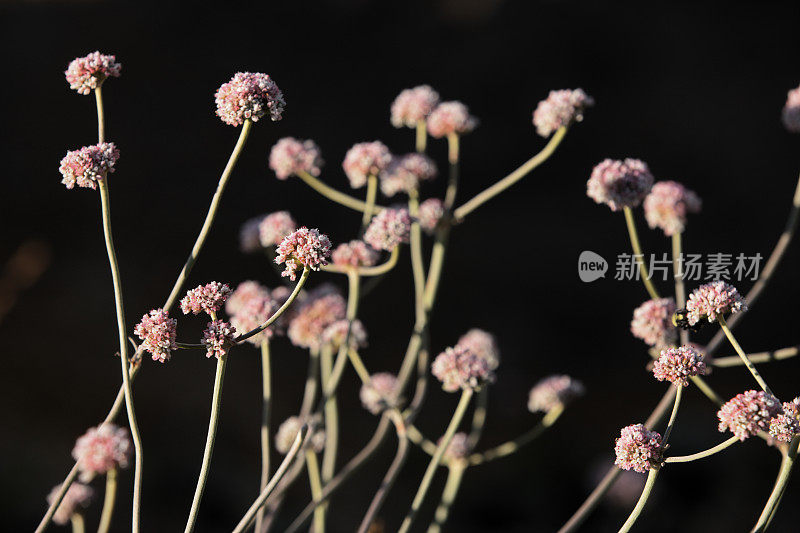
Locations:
{"points": [[157, 330], [554, 392], [218, 338], [791, 111], [288, 431], [86, 166], [249, 238], [413, 105], [677, 365], [354, 254], [388, 229], [336, 333], [619, 184], [450, 118], [404, 173], [638, 448], [243, 293], [275, 227], [458, 447], [85, 74], [460, 368], [364, 160], [747, 413], [101, 449], [379, 393], [668, 204], [652, 322], [483, 344], [560, 109], [252, 313], [313, 317], [292, 156], [304, 248], [78, 495], [249, 95], [786, 424], [712, 300], [431, 212], [206, 298]]}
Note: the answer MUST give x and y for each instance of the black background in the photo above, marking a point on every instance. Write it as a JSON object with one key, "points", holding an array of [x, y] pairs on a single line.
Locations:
{"points": [[694, 90]]}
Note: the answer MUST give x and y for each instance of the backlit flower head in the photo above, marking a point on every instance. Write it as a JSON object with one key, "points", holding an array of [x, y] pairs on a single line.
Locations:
{"points": [[364, 160], [313, 316], [218, 338], [460, 368], [554, 392], [252, 313], [86, 166], [748, 413], [619, 184], [85, 74], [291, 156], [288, 431], [668, 204], [560, 109], [652, 322], [639, 449], [388, 229], [249, 95], [243, 293], [791, 111], [380, 393], [157, 330], [354, 254], [431, 212], [677, 365], [458, 448], [404, 173], [713, 299], [336, 333], [304, 248], [483, 344], [450, 118], [101, 449], [249, 238], [786, 424], [275, 227], [206, 298], [413, 105], [78, 496]]}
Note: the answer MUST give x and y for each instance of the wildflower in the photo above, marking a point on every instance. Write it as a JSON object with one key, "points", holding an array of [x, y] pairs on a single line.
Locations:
{"points": [[483, 344], [638, 448], [786, 424], [676, 365], [218, 338], [379, 393], [157, 330], [102, 448], [336, 333], [748, 413], [288, 431], [791, 111], [652, 322], [364, 160], [292, 156], [306, 248], [404, 174], [458, 448], [619, 184], [460, 368], [275, 227], [354, 254], [431, 212], [77, 495], [712, 300], [450, 118], [86, 166], [205, 298], [84, 74], [252, 313], [314, 315], [244, 292], [413, 105], [388, 229], [554, 392], [560, 110], [249, 96], [668, 204]]}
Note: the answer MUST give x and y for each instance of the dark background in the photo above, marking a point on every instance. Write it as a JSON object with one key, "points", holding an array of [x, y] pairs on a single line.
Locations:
{"points": [[694, 90]]}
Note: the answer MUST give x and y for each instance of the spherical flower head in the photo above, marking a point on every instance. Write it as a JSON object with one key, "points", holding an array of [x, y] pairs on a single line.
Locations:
{"points": [[668, 204], [786, 424], [249, 95], [639, 449], [483, 344], [85, 74], [86, 166], [560, 110], [218, 338], [748, 413], [364, 160], [275, 227], [406, 172], [450, 118], [460, 368], [677, 365], [78, 495], [652, 322], [388, 229], [244, 292], [336, 333], [458, 449], [354, 254], [292, 156], [305, 248], [554, 392], [380, 393], [431, 212], [619, 184], [249, 238], [791, 111], [313, 317], [252, 313], [157, 330], [713, 300], [288, 431], [205, 298], [101, 449], [413, 105]]}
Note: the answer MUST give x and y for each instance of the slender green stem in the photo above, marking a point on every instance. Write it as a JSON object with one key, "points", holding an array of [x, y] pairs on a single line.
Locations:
{"points": [[705, 453], [372, 193], [787, 464], [277, 498], [332, 194], [277, 314], [648, 487], [759, 357], [454, 477], [677, 271], [266, 409], [452, 183], [749, 364], [315, 482], [213, 422], [376, 270], [331, 417], [101, 115], [707, 390], [108, 501], [353, 284], [62, 491], [510, 447], [637, 252], [673, 416], [417, 264], [478, 418], [312, 378], [422, 136], [78, 525]]}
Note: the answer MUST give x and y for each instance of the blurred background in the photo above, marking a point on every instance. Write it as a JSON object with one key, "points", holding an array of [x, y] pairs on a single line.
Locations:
{"points": [[694, 90]]}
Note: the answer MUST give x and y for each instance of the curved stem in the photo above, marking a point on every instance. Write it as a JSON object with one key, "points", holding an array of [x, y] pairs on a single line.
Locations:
{"points": [[759, 357], [452, 183], [78, 525], [108, 501], [376, 270], [422, 136], [277, 314], [637, 252], [332, 194], [417, 264], [315, 483], [680, 289], [749, 364], [372, 193], [705, 453], [673, 416], [266, 409], [278, 495], [510, 447], [454, 477], [787, 463], [648, 487]]}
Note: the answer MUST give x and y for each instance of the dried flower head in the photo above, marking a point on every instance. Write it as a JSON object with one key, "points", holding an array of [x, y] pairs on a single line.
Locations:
{"points": [[288, 431], [244, 292], [431, 212], [639, 449], [791, 111], [619, 184], [305, 248], [275, 227], [364, 160], [157, 330], [249, 238], [450, 118], [652, 322], [483, 344], [78, 495], [86, 166], [85, 74], [677, 365], [100, 449], [404, 173], [249, 95], [313, 316], [218, 338], [252, 313], [554, 392], [379, 393], [458, 449], [560, 110], [712, 300], [748, 413], [206, 298], [413, 105], [786, 424], [292, 156], [388, 229], [668, 204], [460, 368], [354, 254], [336, 333]]}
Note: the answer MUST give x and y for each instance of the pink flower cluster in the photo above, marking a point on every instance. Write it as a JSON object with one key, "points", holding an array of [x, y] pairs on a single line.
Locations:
{"points": [[413, 105], [459, 368], [254, 311], [483, 344], [88, 165], [364, 160], [158, 331], [206, 298], [560, 110], [218, 338], [291, 156], [84, 74], [354, 254], [275, 227], [677, 365], [406, 172], [713, 300], [458, 449], [786, 425], [100, 449], [249, 239], [748, 413], [336, 333], [388, 229], [380, 393], [638, 448], [619, 184], [241, 296], [288, 431], [668, 204], [652, 322], [791, 111], [431, 212], [78, 495], [451, 118], [249, 95], [321, 308], [554, 392], [305, 248]]}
